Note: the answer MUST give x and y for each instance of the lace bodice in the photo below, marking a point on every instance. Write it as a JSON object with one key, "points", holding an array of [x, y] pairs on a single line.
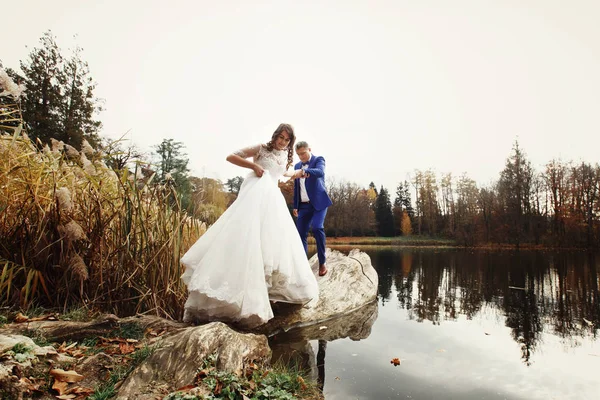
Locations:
{"points": [[274, 161]]}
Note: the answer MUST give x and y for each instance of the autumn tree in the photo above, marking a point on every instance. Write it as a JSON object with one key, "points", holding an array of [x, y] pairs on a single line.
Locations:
{"points": [[351, 212], [406, 224], [209, 199], [467, 209]]}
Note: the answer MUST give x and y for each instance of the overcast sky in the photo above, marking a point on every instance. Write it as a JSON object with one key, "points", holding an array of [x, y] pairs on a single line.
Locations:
{"points": [[380, 88]]}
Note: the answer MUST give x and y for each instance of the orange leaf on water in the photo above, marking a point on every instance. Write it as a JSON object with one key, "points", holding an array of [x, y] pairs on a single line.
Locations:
{"points": [[395, 361]]}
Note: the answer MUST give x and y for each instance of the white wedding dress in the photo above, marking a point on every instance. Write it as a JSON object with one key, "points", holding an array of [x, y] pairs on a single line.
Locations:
{"points": [[251, 255]]}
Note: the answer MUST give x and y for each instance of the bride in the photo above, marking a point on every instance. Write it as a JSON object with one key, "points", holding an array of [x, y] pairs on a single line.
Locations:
{"points": [[253, 254]]}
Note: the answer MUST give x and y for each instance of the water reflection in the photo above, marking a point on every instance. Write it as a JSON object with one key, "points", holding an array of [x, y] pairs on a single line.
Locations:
{"points": [[533, 292], [293, 348]]}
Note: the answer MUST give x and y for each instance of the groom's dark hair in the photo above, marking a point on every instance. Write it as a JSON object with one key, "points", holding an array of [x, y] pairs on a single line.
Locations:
{"points": [[302, 145], [290, 131]]}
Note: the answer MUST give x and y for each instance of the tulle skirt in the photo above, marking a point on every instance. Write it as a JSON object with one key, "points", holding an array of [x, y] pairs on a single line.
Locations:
{"points": [[252, 255]]}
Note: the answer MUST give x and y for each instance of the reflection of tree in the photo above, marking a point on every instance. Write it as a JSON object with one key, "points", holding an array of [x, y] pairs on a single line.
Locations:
{"points": [[529, 288], [403, 280], [383, 261], [522, 316], [428, 301]]}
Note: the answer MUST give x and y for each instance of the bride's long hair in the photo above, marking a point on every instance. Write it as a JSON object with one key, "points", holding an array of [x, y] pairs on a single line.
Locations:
{"points": [[290, 131]]}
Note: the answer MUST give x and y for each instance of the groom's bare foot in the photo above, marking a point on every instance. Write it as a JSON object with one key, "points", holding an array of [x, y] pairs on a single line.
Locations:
{"points": [[322, 269]]}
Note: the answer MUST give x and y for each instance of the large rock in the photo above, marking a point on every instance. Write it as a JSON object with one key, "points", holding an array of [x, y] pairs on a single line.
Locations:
{"points": [[178, 358], [350, 283]]}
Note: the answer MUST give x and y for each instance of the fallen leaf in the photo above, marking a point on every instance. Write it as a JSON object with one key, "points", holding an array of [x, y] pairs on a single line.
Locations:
{"points": [[337, 378], [60, 386], [126, 348], [81, 390], [486, 333], [186, 388], [66, 396], [66, 376], [29, 386], [321, 328], [218, 388], [51, 317], [21, 318], [302, 383], [395, 361]]}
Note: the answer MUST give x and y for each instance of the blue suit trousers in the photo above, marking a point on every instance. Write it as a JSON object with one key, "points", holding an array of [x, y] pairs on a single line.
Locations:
{"points": [[309, 217]]}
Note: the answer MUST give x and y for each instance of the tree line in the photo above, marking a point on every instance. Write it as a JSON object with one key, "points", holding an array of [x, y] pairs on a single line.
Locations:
{"points": [[556, 206]]}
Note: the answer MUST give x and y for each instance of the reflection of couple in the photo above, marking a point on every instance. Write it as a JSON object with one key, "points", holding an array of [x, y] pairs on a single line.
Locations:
{"points": [[253, 254]]}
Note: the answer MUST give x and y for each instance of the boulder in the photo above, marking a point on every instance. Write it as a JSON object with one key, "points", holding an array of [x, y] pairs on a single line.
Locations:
{"points": [[176, 361], [350, 284]]}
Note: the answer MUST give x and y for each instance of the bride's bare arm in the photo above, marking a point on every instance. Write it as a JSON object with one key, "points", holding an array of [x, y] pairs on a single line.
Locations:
{"points": [[240, 158]]}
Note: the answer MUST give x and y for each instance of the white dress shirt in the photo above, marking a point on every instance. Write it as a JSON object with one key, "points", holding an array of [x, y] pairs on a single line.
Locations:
{"points": [[303, 195]]}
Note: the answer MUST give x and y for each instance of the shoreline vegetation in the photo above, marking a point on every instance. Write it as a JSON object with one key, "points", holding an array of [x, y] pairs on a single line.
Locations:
{"points": [[98, 357]]}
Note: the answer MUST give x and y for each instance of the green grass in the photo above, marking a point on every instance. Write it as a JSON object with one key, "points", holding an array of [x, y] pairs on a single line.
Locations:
{"points": [[21, 348], [131, 330], [107, 389], [37, 335], [79, 314], [278, 383]]}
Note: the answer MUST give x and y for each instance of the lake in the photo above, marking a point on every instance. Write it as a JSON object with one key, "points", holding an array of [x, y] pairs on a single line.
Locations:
{"points": [[464, 324]]}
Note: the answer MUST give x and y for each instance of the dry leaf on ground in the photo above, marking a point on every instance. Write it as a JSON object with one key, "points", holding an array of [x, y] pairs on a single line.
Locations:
{"points": [[66, 376], [60, 386], [126, 348], [395, 361], [21, 318]]}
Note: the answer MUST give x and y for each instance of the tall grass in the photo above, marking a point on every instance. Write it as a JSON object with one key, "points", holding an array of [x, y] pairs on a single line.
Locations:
{"points": [[74, 231]]}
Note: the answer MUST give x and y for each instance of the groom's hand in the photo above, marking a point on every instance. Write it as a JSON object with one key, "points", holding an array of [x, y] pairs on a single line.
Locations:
{"points": [[295, 212], [299, 173]]}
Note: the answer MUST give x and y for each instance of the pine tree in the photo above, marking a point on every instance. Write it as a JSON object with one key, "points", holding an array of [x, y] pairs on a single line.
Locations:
{"points": [[172, 166], [44, 77], [383, 214], [60, 100]]}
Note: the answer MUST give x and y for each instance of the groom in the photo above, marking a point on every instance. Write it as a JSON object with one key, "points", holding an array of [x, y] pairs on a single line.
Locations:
{"points": [[311, 200]]}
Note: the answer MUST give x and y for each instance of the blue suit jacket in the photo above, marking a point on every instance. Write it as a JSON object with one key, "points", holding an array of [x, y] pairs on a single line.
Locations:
{"points": [[315, 184]]}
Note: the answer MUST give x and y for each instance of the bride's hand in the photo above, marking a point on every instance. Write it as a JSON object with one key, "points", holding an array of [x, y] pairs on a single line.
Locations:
{"points": [[258, 170]]}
